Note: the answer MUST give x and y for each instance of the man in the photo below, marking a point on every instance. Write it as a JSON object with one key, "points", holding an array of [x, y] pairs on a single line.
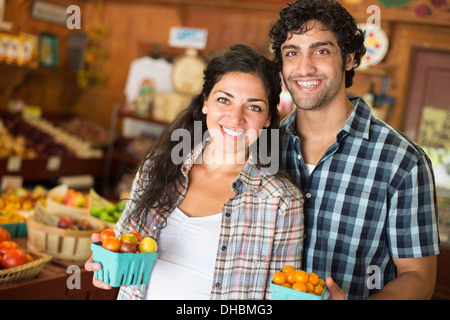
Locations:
{"points": [[370, 208]]}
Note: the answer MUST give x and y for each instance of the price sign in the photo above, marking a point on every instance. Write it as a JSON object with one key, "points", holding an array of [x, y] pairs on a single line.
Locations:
{"points": [[53, 163], [188, 38], [14, 164], [435, 128], [14, 182]]}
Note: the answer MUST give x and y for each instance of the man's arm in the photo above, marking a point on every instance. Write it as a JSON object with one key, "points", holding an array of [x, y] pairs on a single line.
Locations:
{"points": [[415, 280]]}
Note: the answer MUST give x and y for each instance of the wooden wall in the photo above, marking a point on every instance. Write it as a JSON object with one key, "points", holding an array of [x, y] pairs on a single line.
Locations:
{"points": [[138, 27]]}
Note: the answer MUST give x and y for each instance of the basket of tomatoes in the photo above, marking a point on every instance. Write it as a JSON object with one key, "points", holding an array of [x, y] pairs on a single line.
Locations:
{"points": [[292, 284], [17, 263], [126, 260]]}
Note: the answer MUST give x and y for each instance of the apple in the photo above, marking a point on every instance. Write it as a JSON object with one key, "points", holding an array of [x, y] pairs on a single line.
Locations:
{"points": [[65, 222]]}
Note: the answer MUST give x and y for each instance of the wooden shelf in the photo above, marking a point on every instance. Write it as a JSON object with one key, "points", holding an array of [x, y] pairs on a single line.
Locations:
{"points": [[36, 169], [123, 113], [379, 70]]}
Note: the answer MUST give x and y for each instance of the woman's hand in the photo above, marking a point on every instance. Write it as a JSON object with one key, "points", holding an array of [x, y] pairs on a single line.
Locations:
{"points": [[90, 265]]}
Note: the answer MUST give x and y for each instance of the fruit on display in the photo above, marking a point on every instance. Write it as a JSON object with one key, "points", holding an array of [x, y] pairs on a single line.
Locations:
{"points": [[4, 235], [131, 242], [67, 222], [21, 198], [108, 213], [14, 258], [10, 254], [31, 138], [299, 280], [74, 198], [88, 130], [7, 245], [33, 141]]}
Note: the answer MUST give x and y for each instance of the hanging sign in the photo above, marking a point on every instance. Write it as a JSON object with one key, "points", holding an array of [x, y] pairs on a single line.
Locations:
{"points": [[193, 38]]}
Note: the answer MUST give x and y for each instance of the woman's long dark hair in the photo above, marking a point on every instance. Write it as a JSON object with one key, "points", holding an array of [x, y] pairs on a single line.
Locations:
{"points": [[333, 16], [159, 176]]}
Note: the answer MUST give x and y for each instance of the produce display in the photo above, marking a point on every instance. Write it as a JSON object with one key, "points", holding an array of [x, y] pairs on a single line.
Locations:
{"points": [[103, 209], [108, 213], [299, 280], [92, 132], [21, 198], [73, 198], [68, 222], [22, 139], [10, 254], [32, 138]]}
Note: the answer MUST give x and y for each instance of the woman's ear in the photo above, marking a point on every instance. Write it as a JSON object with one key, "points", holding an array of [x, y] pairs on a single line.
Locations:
{"points": [[205, 109]]}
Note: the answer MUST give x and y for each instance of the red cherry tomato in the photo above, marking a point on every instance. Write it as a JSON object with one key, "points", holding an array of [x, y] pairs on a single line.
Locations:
{"points": [[14, 258], [105, 234], [5, 246], [112, 244], [4, 235]]}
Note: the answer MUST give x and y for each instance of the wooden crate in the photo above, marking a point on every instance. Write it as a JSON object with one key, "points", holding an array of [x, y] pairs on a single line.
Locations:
{"points": [[63, 244]]}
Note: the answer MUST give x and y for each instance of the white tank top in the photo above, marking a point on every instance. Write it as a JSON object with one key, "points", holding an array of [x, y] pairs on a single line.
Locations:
{"points": [[187, 249]]}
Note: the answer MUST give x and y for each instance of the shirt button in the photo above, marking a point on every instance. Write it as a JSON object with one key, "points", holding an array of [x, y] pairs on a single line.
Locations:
{"points": [[155, 227], [308, 195], [228, 214], [217, 284], [299, 157], [224, 248]]}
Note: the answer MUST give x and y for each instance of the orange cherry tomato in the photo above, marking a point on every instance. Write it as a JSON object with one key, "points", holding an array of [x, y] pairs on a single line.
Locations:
{"points": [[105, 234], [112, 244], [279, 278]]}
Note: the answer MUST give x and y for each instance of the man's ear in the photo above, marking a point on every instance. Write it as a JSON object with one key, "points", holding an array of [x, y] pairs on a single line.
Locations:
{"points": [[349, 63]]}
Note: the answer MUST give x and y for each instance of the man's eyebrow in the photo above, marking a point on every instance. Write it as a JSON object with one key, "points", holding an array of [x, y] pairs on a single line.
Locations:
{"points": [[321, 44], [289, 46], [311, 46]]}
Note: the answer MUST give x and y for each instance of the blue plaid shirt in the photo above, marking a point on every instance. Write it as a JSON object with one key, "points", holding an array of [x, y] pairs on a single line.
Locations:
{"points": [[370, 197]]}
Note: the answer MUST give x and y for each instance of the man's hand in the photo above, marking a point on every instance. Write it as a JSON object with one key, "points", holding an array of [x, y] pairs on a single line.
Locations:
{"points": [[336, 293]]}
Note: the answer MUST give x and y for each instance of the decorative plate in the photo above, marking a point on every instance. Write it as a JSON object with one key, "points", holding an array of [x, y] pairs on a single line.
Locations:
{"points": [[377, 45]]}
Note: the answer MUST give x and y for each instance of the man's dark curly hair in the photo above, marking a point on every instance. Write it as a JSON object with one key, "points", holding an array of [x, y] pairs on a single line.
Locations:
{"points": [[333, 16]]}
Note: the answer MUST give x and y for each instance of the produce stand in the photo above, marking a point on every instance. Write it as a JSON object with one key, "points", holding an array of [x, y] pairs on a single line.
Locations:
{"points": [[51, 284]]}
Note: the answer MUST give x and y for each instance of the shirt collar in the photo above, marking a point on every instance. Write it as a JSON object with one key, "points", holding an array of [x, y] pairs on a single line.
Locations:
{"points": [[357, 124]]}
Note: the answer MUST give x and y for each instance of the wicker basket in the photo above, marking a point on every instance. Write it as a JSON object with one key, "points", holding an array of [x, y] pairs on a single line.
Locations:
{"points": [[26, 271], [63, 244]]}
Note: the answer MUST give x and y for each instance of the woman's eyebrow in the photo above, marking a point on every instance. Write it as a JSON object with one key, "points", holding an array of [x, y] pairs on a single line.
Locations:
{"points": [[248, 100]]}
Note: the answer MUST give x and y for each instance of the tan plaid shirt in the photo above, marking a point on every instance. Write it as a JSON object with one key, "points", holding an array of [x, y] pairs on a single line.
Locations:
{"points": [[261, 232]]}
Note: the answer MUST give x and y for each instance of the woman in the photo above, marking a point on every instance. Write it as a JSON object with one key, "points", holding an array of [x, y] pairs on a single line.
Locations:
{"points": [[223, 225]]}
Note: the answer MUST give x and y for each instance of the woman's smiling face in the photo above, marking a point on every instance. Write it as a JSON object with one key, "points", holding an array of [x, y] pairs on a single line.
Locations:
{"points": [[236, 110]]}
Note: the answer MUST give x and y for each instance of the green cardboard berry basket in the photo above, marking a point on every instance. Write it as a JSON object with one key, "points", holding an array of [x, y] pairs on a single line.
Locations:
{"points": [[123, 269], [283, 293]]}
